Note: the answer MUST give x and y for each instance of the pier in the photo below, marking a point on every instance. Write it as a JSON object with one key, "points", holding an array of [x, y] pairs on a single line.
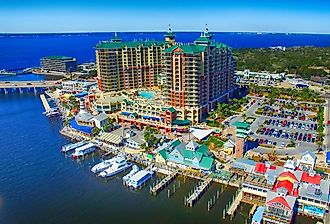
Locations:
{"points": [[45, 103], [163, 183], [197, 193], [235, 203]]}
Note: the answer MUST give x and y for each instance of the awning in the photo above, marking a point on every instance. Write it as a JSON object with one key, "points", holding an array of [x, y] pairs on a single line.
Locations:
{"points": [[200, 133], [111, 138], [181, 122]]}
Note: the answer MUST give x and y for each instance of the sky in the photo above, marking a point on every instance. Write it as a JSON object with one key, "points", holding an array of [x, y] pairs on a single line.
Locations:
{"points": [[288, 16]]}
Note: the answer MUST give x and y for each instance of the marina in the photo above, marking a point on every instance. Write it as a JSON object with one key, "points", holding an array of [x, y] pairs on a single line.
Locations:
{"points": [[158, 186], [119, 165], [197, 192]]}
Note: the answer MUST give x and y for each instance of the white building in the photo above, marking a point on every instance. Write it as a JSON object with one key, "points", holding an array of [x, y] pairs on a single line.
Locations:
{"points": [[247, 75]]}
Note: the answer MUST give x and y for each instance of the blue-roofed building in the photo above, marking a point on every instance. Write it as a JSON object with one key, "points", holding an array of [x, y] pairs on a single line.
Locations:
{"points": [[81, 129]]}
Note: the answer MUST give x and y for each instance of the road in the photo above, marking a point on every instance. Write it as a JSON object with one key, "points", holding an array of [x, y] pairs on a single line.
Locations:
{"points": [[27, 84]]}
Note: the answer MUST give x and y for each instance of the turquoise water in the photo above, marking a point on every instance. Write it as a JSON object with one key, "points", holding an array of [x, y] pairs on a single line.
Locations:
{"points": [[147, 94]]}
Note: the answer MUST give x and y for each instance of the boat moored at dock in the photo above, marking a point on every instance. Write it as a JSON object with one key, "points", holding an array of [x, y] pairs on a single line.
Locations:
{"points": [[102, 165], [139, 179], [134, 170], [84, 150], [72, 146], [119, 165]]}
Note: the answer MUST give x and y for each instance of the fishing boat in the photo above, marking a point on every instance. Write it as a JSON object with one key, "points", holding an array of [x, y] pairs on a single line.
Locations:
{"points": [[120, 164], [139, 179], [84, 150], [134, 170], [72, 146], [102, 165]]}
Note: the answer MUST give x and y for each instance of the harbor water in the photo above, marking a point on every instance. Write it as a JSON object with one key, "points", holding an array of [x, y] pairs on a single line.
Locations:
{"points": [[38, 185]]}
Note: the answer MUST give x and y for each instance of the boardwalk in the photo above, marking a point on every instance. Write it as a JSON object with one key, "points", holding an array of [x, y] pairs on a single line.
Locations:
{"points": [[45, 103], [235, 204], [199, 190], [163, 183]]}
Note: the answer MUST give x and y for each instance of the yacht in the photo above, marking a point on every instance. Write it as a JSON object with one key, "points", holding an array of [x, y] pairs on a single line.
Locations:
{"points": [[103, 165], [84, 150], [72, 146], [139, 179], [134, 170], [119, 165]]}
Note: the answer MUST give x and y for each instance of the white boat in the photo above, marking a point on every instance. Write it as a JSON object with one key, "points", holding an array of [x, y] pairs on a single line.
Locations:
{"points": [[103, 165], [140, 178], [134, 170], [72, 146], [119, 165], [4, 72], [84, 150]]}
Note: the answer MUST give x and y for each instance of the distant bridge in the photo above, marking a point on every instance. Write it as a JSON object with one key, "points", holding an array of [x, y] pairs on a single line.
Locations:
{"points": [[25, 86]]}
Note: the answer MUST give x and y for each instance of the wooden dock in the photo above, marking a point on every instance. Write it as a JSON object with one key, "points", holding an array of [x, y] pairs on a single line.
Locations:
{"points": [[163, 183], [197, 193], [45, 103], [234, 205]]}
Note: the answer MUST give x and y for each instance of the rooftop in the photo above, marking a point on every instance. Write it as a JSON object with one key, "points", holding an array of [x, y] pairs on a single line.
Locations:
{"points": [[58, 57]]}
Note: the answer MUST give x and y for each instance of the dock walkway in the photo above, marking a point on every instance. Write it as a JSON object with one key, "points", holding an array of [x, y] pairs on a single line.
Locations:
{"points": [[199, 190], [235, 204], [163, 183], [45, 103]]}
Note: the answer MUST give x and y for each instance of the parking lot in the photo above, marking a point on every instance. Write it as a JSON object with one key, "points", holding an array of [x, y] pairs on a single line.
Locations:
{"points": [[279, 127]]}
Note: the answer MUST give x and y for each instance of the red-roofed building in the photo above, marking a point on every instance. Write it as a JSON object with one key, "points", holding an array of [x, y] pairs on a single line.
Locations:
{"points": [[279, 208], [260, 168], [288, 174], [285, 184], [311, 178]]}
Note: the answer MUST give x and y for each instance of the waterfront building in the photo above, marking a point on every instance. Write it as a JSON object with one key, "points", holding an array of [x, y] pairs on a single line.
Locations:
{"points": [[75, 87], [129, 65], [84, 122], [279, 208], [59, 64], [185, 155], [307, 161], [198, 76], [308, 188]]}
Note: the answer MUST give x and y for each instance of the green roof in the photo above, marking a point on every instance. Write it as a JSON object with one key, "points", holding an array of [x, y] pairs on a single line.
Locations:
{"points": [[189, 48], [171, 109], [56, 57], [128, 102], [132, 44], [181, 122], [203, 39], [169, 34], [206, 162], [134, 114], [163, 154], [176, 143], [220, 45], [244, 125]]}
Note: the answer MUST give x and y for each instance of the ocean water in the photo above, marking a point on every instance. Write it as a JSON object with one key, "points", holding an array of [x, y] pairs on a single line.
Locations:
{"points": [[25, 50]]}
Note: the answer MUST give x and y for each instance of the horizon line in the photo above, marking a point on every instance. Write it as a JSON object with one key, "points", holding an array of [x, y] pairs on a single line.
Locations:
{"points": [[162, 31]]}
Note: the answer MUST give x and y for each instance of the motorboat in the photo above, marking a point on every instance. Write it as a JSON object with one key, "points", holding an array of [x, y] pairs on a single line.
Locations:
{"points": [[84, 150], [119, 165], [134, 170], [105, 164], [72, 146]]}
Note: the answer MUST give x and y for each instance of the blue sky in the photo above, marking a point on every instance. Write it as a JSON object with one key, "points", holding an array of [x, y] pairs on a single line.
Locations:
{"points": [[302, 16]]}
